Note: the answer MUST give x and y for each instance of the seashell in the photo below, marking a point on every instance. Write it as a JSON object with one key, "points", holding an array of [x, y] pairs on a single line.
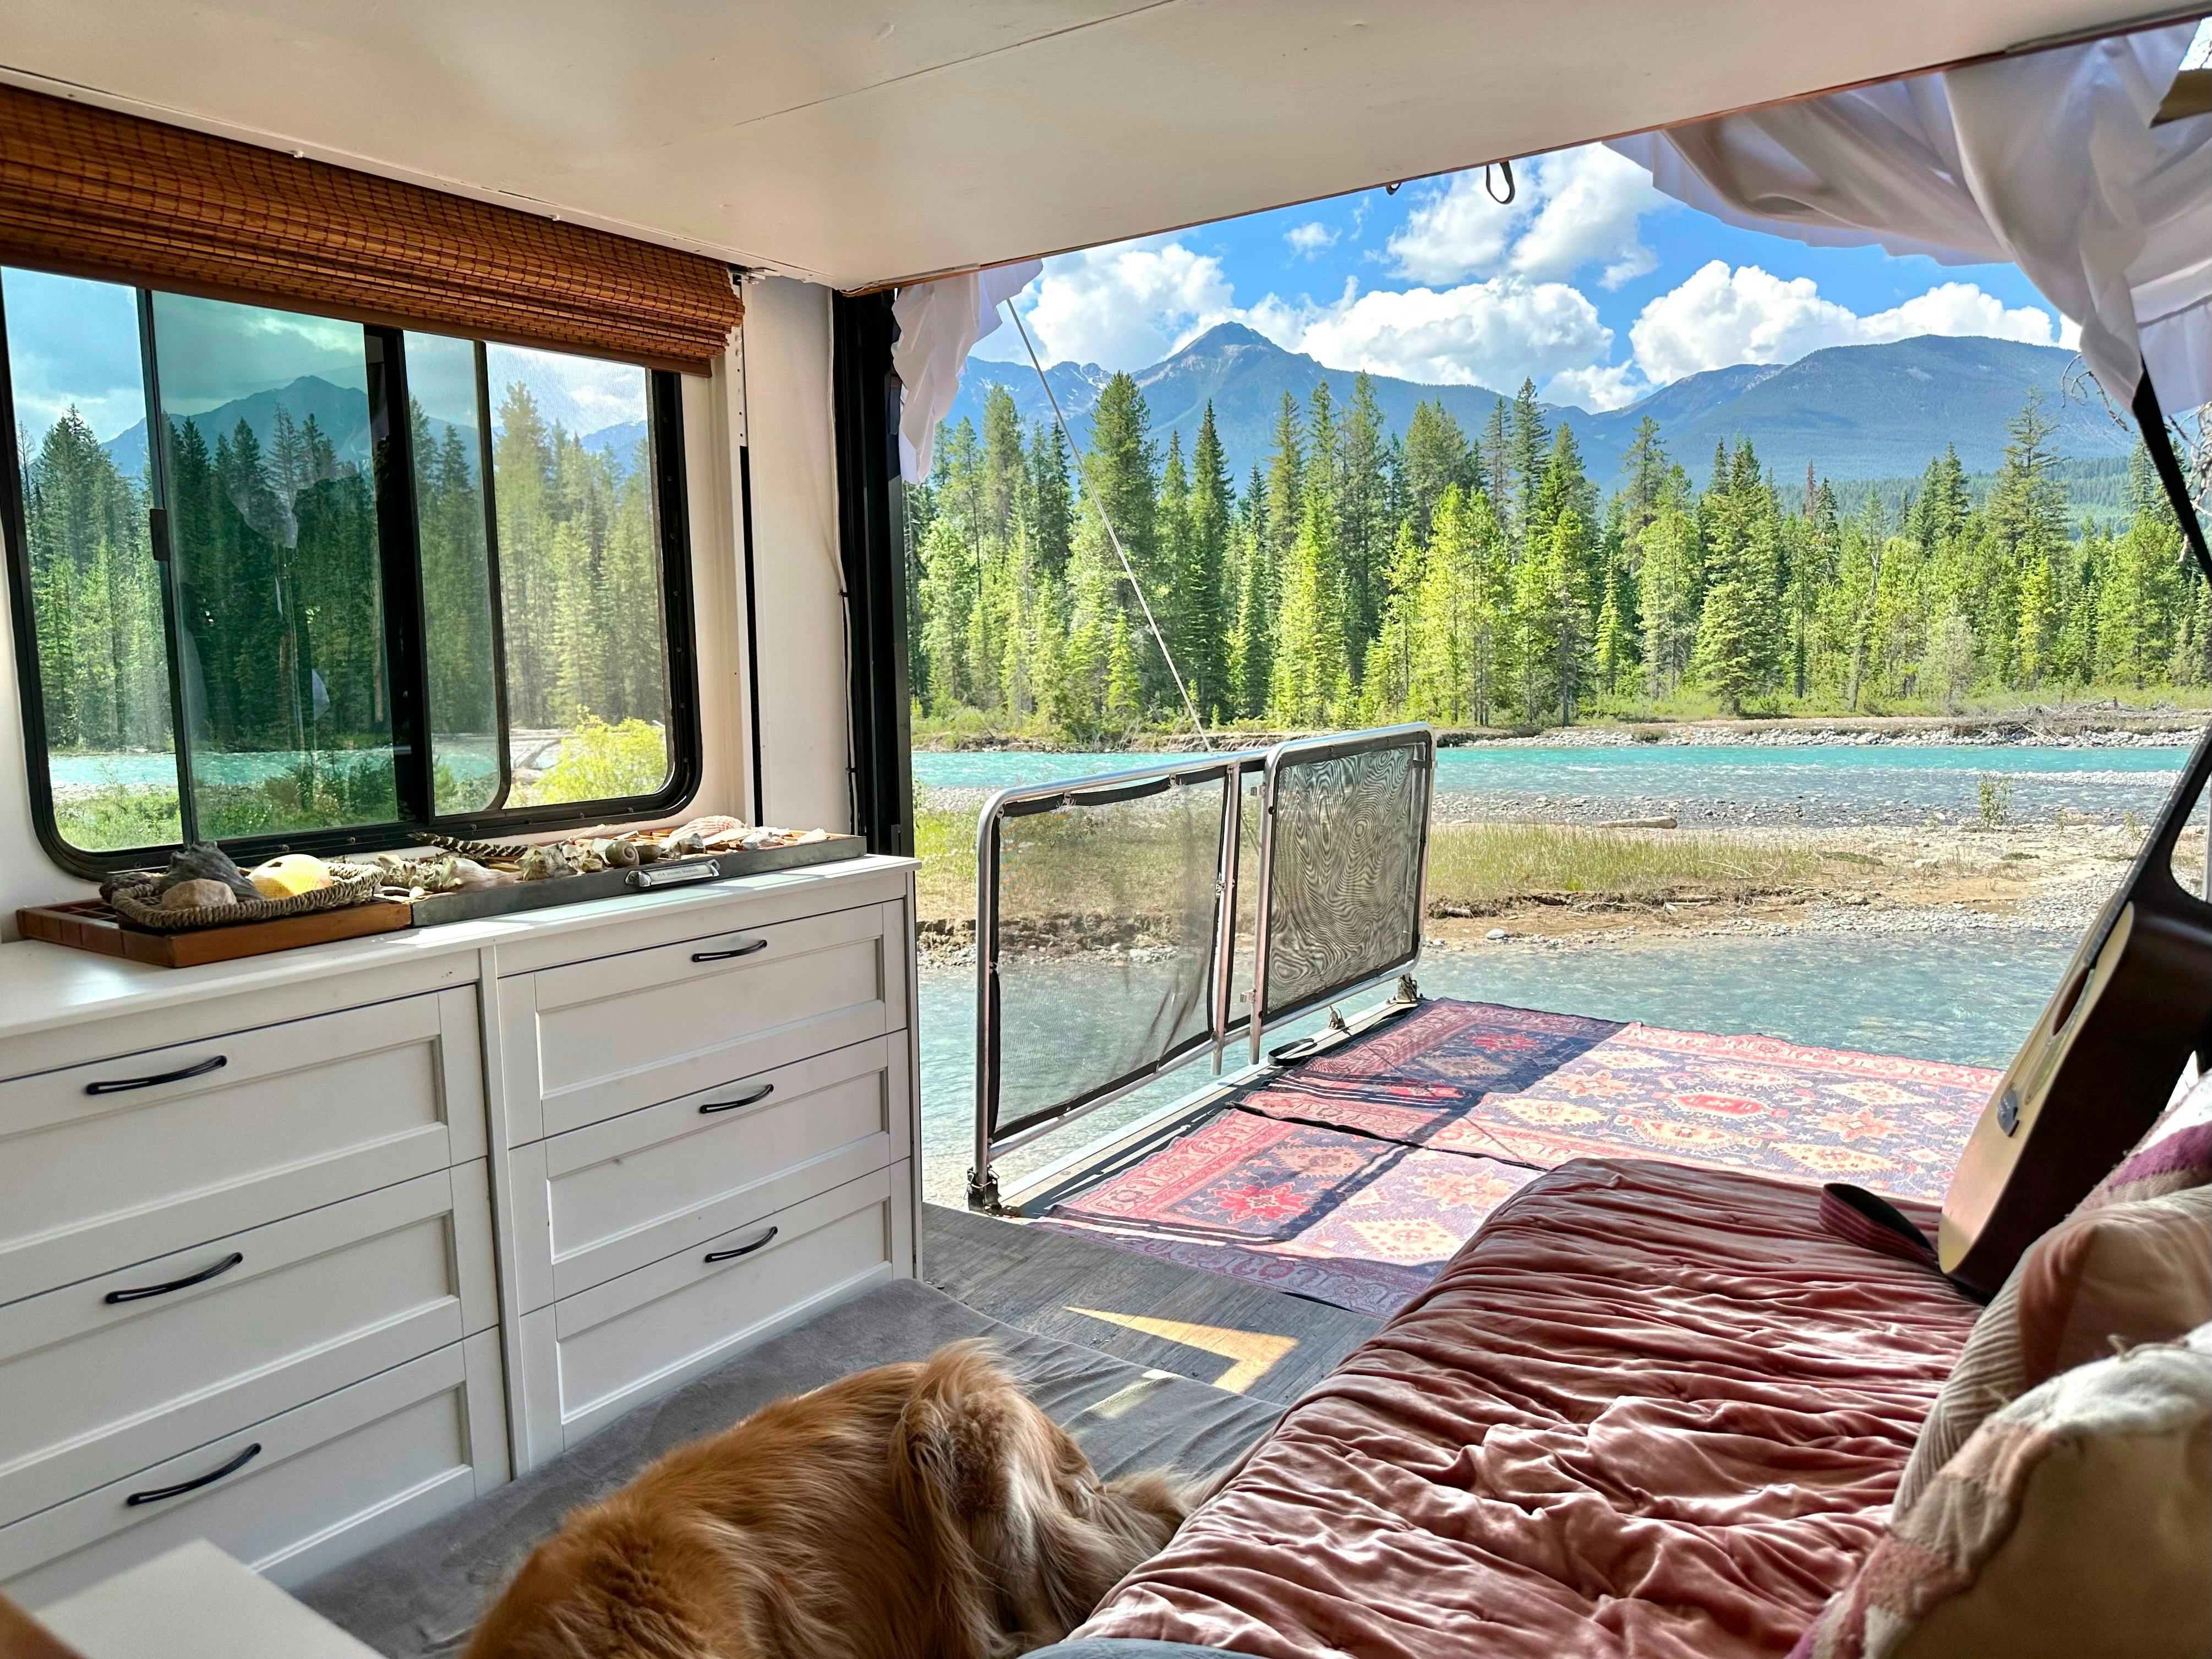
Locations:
{"points": [[684, 845], [649, 851], [711, 827], [543, 863], [617, 853], [811, 837], [200, 893], [455, 874], [204, 861]]}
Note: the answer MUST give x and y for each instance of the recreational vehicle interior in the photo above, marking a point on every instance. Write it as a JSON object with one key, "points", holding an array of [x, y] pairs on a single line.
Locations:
{"points": [[471, 948]]}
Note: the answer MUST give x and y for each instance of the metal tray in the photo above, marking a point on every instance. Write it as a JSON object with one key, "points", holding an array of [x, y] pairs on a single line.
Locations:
{"points": [[613, 883]]}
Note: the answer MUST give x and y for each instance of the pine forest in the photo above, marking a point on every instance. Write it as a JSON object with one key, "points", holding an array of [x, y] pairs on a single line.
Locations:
{"points": [[1484, 578]]}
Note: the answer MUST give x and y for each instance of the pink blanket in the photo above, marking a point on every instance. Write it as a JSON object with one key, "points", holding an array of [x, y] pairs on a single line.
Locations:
{"points": [[1648, 1410]]}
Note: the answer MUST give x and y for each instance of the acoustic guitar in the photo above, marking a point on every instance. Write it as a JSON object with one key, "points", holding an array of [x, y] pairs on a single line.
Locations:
{"points": [[2100, 1065]]}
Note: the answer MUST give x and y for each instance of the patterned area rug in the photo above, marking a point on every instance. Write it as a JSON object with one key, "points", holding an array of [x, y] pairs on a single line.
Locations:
{"points": [[1352, 1178], [1740, 1102], [1343, 1219]]}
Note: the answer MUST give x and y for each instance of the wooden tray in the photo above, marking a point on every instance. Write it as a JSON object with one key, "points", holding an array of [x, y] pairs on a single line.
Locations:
{"points": [[89, 924]]}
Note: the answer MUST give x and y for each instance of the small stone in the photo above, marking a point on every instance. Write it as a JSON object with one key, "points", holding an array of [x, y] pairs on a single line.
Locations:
{"points": [[1495, 933], [197, 893]]}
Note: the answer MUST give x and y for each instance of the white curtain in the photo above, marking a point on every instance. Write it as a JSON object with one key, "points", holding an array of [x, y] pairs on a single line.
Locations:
{"points": [[2047, 160], [938, 323]]}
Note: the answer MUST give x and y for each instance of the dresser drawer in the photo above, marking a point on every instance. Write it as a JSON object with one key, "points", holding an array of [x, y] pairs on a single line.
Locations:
{"points": [[114, 1162], [332, 1478], [584, 1042], [600, 1200], [99, 1388], [591, 1357]]}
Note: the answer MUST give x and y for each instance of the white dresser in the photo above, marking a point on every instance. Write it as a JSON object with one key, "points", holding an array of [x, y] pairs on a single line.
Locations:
{"points": [[298, 1252]]}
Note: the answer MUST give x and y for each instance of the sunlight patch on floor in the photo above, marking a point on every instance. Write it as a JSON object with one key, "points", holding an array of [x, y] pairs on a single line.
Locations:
{"points": [[1253, 1353]]}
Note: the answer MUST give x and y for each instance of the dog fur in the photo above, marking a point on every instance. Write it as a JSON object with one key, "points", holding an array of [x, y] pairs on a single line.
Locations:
{"points": [[918, 1512]]}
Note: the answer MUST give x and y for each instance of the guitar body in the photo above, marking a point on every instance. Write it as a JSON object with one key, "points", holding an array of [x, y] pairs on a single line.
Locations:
{"points": [[2102, 1061]]}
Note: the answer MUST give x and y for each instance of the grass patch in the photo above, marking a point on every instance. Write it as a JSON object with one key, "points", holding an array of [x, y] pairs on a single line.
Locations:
{"points": [[946, 843], [1475, 869]]}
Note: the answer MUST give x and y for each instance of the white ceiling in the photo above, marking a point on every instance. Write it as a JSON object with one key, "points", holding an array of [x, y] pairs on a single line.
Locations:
{"points": [[859, 141]]}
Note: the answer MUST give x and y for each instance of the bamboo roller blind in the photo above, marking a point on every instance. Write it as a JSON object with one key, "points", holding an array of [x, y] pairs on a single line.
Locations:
{"points": [[92, 194]]}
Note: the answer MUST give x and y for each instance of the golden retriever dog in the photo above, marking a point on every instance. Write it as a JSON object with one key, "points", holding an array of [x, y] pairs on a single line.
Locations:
{"points": [[914, 1511]]}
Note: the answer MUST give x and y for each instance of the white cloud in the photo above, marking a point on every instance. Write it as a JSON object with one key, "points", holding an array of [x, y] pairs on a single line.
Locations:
{"points": [[584, 394], [1492, 333], [1123, 306], [1718, 316], [1455, 231], [1310, 238], [1573, 208], [1598, 388], [1590, 202]]}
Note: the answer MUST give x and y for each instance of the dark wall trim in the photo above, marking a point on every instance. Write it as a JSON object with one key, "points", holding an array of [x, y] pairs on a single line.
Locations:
{"points": [[752, 632], [2151, 420], [870, 510]]}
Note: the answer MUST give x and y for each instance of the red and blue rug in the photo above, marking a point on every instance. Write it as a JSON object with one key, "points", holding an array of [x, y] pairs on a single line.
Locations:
{"points": [[1352, 1178]]}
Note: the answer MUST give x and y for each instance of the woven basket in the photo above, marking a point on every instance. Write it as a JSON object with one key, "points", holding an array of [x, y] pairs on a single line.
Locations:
{"points": [[134, 898]]}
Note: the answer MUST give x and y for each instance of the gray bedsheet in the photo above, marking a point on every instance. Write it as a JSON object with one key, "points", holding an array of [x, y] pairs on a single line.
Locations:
{"points": [[419, 1595]]}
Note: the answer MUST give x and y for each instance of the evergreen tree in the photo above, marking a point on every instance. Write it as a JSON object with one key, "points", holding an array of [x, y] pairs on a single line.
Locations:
{"points": [[1001, 481], [1364, 530], [1495, 451], [1175, 592], [1251, 653], [1551, 605], [1527, 446], [1121, 480], [1052, 514], [1436, 458], [1200, 584], [2139, 591], [1285, 501], [1646, 467], [1667, 576], [1311, 674], [1462, 659]]}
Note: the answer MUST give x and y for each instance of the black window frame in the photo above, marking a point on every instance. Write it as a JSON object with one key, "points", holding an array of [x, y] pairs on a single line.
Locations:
{"points": [[405, 630]]}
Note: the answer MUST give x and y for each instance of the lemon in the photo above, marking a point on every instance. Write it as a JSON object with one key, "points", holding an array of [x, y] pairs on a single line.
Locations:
{"points": [[289, 875]]}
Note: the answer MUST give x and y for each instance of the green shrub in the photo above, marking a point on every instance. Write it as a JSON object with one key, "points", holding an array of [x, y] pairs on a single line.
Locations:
{"points": [[601, 762]]}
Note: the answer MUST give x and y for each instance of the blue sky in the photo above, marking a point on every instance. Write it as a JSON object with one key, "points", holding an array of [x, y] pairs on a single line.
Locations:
{"points": [[1591, 283]]}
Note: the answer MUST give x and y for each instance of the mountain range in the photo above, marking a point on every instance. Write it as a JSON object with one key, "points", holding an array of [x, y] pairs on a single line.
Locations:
{"points": [[1853, 412], [342, 414]]}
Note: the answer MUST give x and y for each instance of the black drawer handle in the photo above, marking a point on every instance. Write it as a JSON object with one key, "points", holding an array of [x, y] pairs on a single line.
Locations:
{"points": [[199, 1278], [752, 1099], [742, 1250], [118, 1084], [744, 950], [184, 1486]]}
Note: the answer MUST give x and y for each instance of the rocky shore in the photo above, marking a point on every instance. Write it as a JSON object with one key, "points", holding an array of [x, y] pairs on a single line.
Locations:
{"points": [[2088, 725]]}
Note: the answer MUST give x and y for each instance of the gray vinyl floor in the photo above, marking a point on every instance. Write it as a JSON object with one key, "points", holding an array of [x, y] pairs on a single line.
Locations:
{"points": [[1255, 1342]]}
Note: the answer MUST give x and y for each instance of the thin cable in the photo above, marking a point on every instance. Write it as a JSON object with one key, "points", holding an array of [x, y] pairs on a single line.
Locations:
{"points": [[1128, 569]]}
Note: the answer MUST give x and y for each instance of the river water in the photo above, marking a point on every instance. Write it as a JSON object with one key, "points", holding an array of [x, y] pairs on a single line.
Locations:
{"points": [[1814, 784]]}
